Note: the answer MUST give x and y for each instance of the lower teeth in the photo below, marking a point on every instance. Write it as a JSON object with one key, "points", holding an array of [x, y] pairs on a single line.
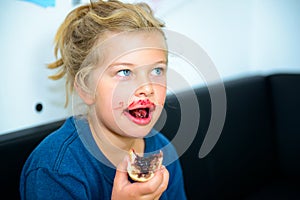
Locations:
{"points": [[139, 113]]}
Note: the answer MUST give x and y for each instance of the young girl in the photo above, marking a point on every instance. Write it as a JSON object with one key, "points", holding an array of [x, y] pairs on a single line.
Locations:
{"points": [[114, 55]]}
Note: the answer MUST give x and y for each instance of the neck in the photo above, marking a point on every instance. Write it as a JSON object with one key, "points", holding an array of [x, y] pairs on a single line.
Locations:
{"points": [[114, 146]]}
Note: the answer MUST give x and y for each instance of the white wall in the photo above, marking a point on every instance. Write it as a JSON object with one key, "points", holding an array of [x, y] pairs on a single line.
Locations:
{"points": [[27, 33], [243, 36], [240, 36], [276, 35]]}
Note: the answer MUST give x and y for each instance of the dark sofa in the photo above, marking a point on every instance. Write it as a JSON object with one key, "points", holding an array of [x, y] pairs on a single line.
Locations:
{"points": [[256, 157]]}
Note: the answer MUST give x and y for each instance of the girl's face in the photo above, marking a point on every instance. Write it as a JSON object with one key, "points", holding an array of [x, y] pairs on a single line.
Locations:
{"points": [[130, 84]]}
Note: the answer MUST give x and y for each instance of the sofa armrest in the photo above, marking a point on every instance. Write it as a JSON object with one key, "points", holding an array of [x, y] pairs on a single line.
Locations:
{"points": [[14, 150]]}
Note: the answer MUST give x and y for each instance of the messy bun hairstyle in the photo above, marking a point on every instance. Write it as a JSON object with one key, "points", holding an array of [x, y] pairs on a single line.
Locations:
{"points": [[87, 24]]}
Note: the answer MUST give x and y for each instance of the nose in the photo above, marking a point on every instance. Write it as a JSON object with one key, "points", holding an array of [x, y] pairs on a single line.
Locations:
{"points": [[145, 90]]}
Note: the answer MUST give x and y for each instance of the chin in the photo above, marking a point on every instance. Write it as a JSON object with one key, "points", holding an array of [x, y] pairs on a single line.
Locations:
{"points": [[137, 131]]}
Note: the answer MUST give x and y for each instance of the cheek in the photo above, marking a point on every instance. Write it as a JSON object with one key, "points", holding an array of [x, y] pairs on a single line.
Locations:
{"points": [[104, 96], [120, 98], [160, 94], [121, 95]]}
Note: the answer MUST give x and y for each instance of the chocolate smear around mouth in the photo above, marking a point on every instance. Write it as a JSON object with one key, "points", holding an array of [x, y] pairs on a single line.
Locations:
{"points": [[140, 112]]}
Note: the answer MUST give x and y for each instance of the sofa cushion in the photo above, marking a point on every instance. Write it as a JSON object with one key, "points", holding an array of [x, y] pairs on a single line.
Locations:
{"points": [[285, 92], [260, 138], [276, 190], [14, 149], [243, 158]]}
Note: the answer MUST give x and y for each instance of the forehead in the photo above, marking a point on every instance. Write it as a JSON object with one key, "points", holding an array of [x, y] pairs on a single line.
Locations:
{"points": [[122, 44]]}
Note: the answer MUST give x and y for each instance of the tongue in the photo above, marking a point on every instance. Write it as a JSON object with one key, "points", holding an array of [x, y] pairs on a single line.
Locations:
{"points": [[139, 113]]}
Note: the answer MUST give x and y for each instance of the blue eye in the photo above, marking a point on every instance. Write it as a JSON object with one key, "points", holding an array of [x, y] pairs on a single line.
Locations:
{"points": [[124, 72], [157, 71]]}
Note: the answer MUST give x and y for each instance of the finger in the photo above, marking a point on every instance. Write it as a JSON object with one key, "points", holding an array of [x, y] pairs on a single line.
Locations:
{"points": [[164, 184], [122, 167], [157, 194], [121, 177], [153, 184], [166, 176]]}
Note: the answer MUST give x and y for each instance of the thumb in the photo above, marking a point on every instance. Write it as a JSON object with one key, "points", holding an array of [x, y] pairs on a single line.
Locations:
{"points": [[121, 177]]}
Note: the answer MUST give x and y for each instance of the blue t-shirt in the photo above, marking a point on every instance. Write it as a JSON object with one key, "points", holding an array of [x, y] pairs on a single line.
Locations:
{"points": [[68, 165]]}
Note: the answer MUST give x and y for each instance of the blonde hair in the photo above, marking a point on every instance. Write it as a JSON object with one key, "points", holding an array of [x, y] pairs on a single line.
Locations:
{"points": [[86, 24]]}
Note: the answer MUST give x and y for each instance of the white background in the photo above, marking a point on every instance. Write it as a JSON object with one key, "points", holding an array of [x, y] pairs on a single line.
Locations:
{"points": [[241, 37]]}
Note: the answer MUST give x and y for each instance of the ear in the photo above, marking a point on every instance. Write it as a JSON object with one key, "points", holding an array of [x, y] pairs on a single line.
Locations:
{"points": [[86, 96]]}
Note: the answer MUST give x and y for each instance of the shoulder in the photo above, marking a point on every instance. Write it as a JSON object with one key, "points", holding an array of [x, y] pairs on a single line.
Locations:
{"points": [[50, 153], [61, 162]]}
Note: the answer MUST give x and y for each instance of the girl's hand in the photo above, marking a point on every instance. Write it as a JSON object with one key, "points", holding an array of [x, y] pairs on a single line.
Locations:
{"points": [[152, 189]]}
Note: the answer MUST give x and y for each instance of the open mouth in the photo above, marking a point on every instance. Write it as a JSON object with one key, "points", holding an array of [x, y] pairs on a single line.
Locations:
{"points": [[140, 112]]}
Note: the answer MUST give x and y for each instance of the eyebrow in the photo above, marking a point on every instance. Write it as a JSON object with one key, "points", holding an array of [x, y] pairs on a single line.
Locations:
{"points": [[131, 64]]}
